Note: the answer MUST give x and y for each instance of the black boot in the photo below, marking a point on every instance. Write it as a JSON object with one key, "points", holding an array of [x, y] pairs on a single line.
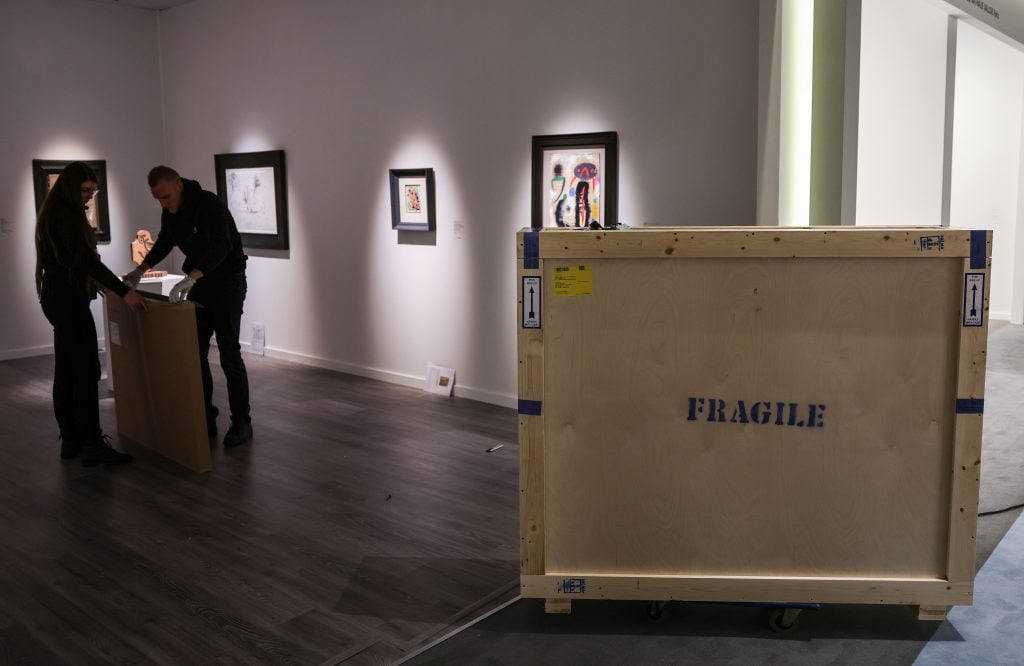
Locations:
{"points": [[100, 453], [239, 433]]}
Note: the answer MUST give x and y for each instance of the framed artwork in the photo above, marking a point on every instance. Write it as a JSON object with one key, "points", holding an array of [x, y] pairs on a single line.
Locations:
{"points": [[412, 199], [44, 175], [254, 188], [575, 181]]}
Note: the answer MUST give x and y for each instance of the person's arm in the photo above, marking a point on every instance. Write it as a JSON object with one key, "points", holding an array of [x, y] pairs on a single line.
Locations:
{"points": [[98, 271], [87, 259], [161, 248]]}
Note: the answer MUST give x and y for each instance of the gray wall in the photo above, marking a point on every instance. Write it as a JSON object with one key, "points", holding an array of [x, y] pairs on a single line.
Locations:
{"points": [[80, 80], [350, 89]]}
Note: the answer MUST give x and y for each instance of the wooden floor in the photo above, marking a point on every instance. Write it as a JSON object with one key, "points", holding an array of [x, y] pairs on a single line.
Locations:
{"points": [[364, 520]]}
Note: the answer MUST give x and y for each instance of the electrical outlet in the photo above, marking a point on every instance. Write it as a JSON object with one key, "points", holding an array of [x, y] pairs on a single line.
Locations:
{"points": [[259, 337]]}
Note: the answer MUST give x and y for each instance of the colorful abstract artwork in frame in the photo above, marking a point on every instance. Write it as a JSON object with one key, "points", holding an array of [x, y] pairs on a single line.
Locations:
{"points": [[575, 181]]}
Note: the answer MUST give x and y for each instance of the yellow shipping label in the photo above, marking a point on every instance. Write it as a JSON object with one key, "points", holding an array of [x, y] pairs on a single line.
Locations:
{"points": [[573, 281]]}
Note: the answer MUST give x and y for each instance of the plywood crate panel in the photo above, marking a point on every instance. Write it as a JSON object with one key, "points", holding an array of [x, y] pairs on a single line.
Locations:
{"points": [[752, 413]]}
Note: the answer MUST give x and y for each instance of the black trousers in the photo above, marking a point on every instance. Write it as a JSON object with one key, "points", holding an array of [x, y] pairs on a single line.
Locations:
{"points": [[221, 315], [76, 371]]}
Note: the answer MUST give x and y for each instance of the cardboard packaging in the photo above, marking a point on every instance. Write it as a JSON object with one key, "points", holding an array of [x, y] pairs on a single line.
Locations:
{"points": [[158, 391]]}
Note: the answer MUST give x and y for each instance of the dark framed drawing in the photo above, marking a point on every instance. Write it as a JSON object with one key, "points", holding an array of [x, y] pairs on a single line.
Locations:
{"points": [[254, 187], [44, 175], [412, 199], [575, 181]]}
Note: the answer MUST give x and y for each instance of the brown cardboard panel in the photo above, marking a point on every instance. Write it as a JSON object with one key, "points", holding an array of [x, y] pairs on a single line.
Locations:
{"points": [[158, 393]]}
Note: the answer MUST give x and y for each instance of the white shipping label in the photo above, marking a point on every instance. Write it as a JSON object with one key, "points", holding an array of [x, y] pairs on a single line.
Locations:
{"points": [[531, 301], [115, 334], [974, 299]]}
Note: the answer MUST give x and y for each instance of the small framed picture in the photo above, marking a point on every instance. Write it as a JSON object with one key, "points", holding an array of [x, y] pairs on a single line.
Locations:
{"points": [[412, 199], [575, 181], [254, 188], [44, 175]]}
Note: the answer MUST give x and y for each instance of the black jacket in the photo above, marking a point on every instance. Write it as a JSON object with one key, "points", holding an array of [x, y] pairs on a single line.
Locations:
{"points": [[71, 266], [204, 230]]}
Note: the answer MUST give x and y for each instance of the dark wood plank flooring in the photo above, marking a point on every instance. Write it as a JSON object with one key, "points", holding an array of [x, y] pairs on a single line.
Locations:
{"points": [[365, 519]]}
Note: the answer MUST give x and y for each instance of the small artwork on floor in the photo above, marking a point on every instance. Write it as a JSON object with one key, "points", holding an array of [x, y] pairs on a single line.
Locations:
{"points": [[440, 380]]}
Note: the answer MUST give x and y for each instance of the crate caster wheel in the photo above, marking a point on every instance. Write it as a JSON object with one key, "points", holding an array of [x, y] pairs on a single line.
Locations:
{"points": [[784, 620], [656, 611]]}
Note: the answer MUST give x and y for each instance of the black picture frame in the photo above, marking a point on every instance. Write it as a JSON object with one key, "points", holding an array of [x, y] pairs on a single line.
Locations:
{"points": [[45, 172], [409, 188], [571, 148], [254, 188]]}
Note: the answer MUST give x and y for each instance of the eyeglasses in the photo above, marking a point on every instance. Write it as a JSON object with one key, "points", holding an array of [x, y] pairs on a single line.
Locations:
{"points": [[90, 192]]}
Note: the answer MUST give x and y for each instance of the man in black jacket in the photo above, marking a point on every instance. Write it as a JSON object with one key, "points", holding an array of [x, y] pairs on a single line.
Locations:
{"points": [[201, 226]]}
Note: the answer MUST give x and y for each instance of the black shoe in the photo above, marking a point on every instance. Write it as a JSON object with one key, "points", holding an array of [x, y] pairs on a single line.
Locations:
{"points": [[239, 433], [100, 453], [69, 448]]}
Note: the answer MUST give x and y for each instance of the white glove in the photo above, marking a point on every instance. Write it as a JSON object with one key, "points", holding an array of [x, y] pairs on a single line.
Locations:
{"points": [[133, 278], [180, 290]]}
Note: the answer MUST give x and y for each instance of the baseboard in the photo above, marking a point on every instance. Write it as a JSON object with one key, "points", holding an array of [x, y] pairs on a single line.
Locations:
{"points": [[490, 397], [391, 377], [25, 352], [995, 314], [468, 392]]}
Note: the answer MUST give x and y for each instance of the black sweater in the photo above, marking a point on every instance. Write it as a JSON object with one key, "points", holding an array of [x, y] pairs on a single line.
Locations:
{"points": [[204, 230], [71, 266]]}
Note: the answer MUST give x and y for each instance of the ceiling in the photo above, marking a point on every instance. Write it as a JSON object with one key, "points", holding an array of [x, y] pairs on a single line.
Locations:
{"points": [[155, 5]]}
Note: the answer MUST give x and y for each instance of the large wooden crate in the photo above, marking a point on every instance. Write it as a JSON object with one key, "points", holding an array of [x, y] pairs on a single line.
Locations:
{"points": [[751, 414]]}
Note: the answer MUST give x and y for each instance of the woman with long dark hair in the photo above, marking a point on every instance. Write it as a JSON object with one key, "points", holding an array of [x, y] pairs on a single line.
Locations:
{"points": [[68, 275]]}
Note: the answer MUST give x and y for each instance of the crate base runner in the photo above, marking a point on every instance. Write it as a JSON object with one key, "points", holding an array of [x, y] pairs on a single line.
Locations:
{"points": [[687, 588], [755, 414]]}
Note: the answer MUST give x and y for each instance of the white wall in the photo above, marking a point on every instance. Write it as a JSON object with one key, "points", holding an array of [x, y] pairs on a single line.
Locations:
{"points": [[901, 132], [902, 113], [351, 89], [986, 177], [80, 81]]}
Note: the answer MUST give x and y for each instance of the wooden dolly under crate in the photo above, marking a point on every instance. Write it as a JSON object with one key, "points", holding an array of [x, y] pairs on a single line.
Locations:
{"points": [[751, 414]]}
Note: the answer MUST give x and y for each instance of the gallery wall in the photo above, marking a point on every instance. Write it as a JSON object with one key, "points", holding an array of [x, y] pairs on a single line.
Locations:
{"points": [[903, 95], [80, 81], [902, 113], [986, 168], [351, 89]]}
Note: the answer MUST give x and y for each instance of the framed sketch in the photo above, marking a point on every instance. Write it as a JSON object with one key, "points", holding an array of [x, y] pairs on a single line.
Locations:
{"points": [[254, 188], [412, 199], [44, 175], [575, 181]]}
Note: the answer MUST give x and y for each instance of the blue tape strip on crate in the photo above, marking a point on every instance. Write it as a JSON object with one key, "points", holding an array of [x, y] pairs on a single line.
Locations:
{"points": [[529, 407], [979, 241], [970, 406], [531, 249]]}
